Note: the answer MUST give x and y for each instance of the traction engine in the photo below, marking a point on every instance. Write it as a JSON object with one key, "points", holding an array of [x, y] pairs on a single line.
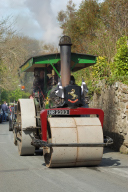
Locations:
{"points": [[57, 118]]}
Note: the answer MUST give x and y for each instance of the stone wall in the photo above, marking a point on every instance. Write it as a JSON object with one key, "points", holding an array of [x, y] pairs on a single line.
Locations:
{"points": [[113, 100]]}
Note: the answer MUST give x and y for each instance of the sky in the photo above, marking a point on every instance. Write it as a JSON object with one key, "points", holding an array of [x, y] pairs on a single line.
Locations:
{"points": [[36, 18]]}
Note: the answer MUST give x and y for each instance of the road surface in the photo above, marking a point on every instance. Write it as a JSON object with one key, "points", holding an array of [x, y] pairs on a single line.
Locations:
{"points": [[29, 173]]}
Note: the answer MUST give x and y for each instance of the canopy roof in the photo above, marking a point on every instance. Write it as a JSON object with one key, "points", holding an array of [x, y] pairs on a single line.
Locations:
{"points": [[78, 61]]}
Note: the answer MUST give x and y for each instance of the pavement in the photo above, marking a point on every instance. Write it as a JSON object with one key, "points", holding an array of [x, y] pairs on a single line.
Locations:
{"points": [[29, 173]]}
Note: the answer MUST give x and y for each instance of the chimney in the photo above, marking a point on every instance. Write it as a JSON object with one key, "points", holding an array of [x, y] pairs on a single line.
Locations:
{"points": [[65, 55]]}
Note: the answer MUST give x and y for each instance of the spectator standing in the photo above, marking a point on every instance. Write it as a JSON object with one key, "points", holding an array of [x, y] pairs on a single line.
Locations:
{"points": [[4, 108]]}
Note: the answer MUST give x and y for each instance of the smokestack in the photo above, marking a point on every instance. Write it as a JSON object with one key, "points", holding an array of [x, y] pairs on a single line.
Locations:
{"points": [[65, 55]]}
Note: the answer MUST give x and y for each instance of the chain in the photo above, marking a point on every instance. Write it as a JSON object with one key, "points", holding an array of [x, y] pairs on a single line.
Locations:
{"points": [[38, 143]]}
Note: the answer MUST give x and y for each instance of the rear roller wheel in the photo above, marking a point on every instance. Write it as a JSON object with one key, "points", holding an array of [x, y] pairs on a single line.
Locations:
{"points": [[14, 136], [74, 130], [10, 125], [25, 119]]}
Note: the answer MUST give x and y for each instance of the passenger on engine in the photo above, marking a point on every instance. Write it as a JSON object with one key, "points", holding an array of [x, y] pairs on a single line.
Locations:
{"points": [[41, 80], [38, 83], [36, 80], [72, 80]]}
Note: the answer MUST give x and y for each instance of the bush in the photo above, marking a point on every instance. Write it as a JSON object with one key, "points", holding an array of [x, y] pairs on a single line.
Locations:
{"points": [[120, 64], [101, 69]]}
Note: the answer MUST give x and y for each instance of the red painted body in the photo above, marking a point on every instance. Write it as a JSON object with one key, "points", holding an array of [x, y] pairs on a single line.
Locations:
{"points": [[77, 111]]}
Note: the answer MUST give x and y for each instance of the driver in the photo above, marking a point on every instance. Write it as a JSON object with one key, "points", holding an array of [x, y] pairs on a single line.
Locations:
{"points": [[38, 83]]}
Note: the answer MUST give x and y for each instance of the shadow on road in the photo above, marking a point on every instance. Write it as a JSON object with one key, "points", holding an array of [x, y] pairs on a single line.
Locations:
{"points": [[39, 152], [107, 162]]}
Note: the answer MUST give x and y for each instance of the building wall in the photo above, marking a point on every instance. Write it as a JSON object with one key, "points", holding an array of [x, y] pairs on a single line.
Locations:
{"points": [[113, 100]]}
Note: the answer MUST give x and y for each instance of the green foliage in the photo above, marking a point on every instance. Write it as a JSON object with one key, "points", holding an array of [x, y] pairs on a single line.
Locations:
{"points": [[101, 69], [4, 96], [83, 73], [2, 68], [17, 94], [25, 94], [113, 78], [120, 64], [93, 88], [11, 96]]}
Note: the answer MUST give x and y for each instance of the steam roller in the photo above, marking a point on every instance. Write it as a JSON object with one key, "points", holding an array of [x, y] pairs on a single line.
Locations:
{"points": [[56, 117]]}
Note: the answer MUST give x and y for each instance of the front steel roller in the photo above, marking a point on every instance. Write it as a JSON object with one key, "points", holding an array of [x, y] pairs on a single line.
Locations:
{"points": [[25, 119], [74, 130]]}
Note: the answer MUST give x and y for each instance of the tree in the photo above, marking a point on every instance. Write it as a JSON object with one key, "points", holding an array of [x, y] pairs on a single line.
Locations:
{"points": [[114, 16], [14, 51], [67, 21], [95, 27], [80, 25]]}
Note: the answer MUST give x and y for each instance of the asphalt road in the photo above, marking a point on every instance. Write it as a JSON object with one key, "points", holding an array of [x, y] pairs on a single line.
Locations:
{"points": [[29, 173]]}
